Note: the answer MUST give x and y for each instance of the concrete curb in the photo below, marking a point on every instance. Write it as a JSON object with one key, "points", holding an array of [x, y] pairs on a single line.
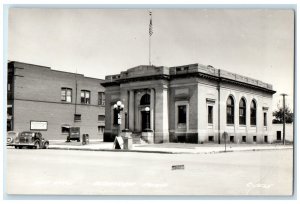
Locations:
{"points": [[168, 152], [111, 150]]}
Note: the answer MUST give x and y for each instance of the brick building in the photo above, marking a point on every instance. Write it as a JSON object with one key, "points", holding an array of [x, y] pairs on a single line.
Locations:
{"points": [[192, 103], [50, 101]]}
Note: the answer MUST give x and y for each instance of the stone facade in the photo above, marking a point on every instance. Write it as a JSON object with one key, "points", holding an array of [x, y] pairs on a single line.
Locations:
{"points": [[35, 94], [189, 104]]}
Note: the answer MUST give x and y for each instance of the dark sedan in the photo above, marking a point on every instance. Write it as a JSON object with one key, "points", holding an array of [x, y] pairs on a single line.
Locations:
{"points": [[30, 139]]}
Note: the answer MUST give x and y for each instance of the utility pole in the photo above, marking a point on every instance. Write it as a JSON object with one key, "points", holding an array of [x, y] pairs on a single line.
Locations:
{"points": [[76, 92], [283, 118]]}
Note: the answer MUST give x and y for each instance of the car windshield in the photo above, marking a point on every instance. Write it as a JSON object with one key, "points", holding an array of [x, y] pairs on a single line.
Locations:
{"points": [[26, 134], [11, 134]]}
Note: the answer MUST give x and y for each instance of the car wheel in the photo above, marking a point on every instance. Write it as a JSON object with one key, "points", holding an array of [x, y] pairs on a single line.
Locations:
{"points": [[46, 145], [78, 140], [36, 145]]}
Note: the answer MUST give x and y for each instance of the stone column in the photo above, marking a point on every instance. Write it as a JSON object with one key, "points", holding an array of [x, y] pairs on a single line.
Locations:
{"points": [[152, 106], [131, 110], [137, 126], [123, 99], [161, 115]]}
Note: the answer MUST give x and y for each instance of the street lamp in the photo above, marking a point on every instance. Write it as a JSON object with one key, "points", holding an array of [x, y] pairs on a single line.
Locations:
{"points": [[119, 106], [147, 109]]}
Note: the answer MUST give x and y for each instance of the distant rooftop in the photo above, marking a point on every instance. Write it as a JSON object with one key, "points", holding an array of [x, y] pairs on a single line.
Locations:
{"points": [[24, 65]]}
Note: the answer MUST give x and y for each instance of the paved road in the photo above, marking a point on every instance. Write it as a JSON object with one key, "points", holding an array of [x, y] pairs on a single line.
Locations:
{"points": [[127, 173]]}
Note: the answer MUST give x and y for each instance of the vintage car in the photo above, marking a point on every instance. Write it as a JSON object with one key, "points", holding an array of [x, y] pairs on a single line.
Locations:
{"points": [[10, 137], [30, 139]]}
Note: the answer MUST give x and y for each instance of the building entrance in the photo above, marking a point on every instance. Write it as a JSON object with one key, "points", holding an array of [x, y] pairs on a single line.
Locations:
{"points": [[145, 121], [278, 135]]}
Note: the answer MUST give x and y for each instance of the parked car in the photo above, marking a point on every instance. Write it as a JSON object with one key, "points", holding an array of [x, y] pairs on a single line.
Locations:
{"points": [[30, 139], [10, 137]]}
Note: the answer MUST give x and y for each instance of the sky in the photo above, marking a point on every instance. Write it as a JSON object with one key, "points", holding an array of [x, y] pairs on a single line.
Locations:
{"points": [[99, 42]]}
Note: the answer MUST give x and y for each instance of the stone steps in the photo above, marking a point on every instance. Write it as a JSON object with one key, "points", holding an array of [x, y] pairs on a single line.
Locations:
{"points": [[136, 139]]}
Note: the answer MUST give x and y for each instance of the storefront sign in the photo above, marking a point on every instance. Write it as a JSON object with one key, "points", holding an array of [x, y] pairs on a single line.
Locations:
{"points": [[38, 125]]}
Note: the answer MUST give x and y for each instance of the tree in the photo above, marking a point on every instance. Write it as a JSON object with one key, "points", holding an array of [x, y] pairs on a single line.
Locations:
{"points": [[278, 114]]}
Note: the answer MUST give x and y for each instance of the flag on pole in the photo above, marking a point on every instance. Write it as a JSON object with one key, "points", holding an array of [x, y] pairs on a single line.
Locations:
{"points": [[150, 25]]}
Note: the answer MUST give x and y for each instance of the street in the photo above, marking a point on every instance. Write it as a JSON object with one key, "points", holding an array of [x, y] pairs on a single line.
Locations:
{"points": [[70, 172]]}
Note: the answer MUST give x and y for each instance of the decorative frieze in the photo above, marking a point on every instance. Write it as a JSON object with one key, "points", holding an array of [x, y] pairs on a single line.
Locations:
{"points": [[143, 73]]}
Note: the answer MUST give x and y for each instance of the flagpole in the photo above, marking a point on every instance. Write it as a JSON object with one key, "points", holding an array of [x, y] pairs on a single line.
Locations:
{"points": [[150, 34], [150, 50]]}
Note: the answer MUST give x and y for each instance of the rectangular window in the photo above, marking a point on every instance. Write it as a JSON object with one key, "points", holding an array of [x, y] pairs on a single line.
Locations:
{"points": [[101, 118], [101, 129], [266, 139], [265, 119], [65, 129], [210, 138], [77, 117], [66, 95], [182, 114], [243, 138], [85, 96], [210, 114], [9, 111], [254, 138], [231, 139], [101, 98]]}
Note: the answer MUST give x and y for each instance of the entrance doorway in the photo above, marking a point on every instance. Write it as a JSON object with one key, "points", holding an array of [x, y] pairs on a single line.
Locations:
{"points": [[145, 121], [145, 112], [278, 135]]}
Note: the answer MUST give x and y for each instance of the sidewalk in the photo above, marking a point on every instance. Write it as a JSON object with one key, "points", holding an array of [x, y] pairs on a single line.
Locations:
{"points": [[168, 148]]}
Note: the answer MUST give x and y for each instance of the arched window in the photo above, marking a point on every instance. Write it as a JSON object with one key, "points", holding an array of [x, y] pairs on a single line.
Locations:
{"points": [[145, 100], [230, 110], [242, 112], [253, 113]]}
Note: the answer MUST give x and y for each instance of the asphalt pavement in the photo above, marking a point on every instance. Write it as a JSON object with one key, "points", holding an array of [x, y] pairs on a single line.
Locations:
{"points": [[57, 172]]}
